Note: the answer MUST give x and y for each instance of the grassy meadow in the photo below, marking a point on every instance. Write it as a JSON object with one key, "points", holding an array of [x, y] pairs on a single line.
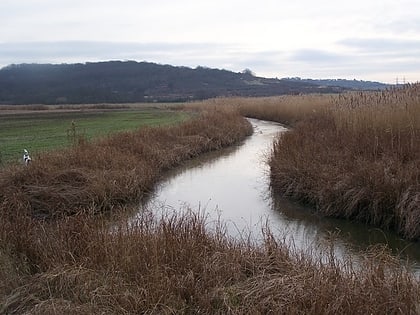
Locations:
{"points": [[42, 128], [64, 248]]}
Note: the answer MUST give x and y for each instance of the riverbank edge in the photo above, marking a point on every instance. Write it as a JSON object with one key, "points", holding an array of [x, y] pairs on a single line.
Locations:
{"points": [[118, 169], [303, 185], [300, 169]]}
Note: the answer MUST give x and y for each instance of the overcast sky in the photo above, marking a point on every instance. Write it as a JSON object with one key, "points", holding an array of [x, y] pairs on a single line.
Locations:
{"points": [[369, 40]]}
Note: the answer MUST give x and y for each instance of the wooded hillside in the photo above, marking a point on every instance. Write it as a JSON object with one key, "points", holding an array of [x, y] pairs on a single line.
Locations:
{"points": [[130, 81]]}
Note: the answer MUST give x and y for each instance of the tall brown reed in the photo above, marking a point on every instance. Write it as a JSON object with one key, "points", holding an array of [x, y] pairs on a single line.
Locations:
{"points": [[359, 159], [285, 109]]}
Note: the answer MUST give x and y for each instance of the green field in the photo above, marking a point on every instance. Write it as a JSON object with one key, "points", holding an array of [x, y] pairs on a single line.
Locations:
{"points": [[45, 130]]}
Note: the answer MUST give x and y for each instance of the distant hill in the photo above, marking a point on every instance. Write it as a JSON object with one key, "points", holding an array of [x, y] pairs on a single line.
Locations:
{"points": [[346, 84], [130, 81]]}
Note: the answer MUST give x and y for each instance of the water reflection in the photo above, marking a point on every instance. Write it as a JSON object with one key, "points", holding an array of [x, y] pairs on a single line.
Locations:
{"points": [[350, 237], [232, 186]]}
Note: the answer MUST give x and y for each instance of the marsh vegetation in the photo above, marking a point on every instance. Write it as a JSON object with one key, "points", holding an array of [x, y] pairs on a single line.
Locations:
{"points": [[353, 155], [59, 254]]}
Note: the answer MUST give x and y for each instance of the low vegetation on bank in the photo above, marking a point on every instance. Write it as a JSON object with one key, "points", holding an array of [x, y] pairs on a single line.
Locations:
{"points": [[114, 170], [64, 248]]}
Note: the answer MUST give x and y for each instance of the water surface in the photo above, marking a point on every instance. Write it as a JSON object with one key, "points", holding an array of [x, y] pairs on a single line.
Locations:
{"points": [[232, 185]]}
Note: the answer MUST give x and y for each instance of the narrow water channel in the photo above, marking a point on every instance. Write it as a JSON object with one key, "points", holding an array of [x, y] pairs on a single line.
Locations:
{"points": [[232, 186]]}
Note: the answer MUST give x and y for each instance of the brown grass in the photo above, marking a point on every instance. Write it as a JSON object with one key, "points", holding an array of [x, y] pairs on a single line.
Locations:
{"points": [[283, 109], [355, 155], [88, 264], [174, 265], [115, 170]]}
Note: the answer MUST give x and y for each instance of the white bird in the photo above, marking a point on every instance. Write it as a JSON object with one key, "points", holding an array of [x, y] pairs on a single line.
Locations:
{"points": [[26, 158]]}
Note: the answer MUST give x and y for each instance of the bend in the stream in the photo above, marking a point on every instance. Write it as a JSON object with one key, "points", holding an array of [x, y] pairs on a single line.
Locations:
{"points": [[232, 185]]}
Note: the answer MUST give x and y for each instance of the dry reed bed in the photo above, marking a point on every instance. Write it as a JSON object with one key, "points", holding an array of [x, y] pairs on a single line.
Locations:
{"points": [[355, 156], [115, 170], [80, 264], [283, 109], [175, 265]]}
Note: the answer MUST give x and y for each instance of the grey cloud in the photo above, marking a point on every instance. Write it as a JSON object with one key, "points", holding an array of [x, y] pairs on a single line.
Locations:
{"points": [[381, 45], [382, 55], [71, 51], [367, 58], [86, 48], [315, 56], [266, 58], [400, 26], [360, 63]]}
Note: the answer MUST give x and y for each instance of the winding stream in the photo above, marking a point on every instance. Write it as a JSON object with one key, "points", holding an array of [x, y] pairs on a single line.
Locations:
{"points": [[232, 186]]}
